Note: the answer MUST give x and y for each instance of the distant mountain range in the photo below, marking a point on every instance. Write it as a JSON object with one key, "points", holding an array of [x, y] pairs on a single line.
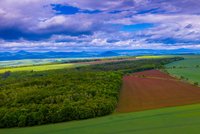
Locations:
{"points": [[51, 54], [158, 52]]}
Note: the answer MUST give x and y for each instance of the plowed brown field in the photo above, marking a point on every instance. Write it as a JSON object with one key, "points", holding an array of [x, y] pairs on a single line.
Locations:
{"points": [[154, 89]]}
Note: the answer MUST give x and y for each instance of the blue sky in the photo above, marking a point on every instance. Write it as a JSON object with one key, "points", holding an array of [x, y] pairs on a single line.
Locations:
{"points": [[136, 27], [81, 25]]}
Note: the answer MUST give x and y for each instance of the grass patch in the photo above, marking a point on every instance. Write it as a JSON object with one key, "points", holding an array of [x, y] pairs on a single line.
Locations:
{"points": [[152, 57], [40, 67], [187, 69]]}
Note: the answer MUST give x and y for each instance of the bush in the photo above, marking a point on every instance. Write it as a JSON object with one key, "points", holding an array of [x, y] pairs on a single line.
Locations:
{"points": [[196, 83]]}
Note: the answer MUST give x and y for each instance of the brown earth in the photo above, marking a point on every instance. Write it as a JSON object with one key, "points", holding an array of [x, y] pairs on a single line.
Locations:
{"points": [[154, 89]]}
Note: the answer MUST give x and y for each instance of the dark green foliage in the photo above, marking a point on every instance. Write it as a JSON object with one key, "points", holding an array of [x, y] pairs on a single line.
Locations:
{"points": [[6, 74], [182, 77], [133, 66], [34, 98], [196, 83], [60, 96]]}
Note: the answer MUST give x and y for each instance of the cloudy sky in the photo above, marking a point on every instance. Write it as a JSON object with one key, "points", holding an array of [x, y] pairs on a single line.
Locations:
{"points": [[91, 25]]}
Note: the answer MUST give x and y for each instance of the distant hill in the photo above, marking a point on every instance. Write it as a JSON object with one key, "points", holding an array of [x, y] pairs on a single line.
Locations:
{"points": [[84, 54], [157, 52], [109, 53], [42, 55]]}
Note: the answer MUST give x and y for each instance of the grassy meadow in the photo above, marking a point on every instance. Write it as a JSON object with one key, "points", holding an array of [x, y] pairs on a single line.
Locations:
{"points": [[29, 62], [175, 120], [40, 67], [152, 56], [188, 69], [57, 63]]}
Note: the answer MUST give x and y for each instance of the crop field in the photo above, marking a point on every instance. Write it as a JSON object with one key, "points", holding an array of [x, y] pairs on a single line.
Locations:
{"points": [[16, 63], [154, 89], [62, 65], [153, 56], [188, 69], [51, 64], [174, 120], [40, 67], [29, 62]]}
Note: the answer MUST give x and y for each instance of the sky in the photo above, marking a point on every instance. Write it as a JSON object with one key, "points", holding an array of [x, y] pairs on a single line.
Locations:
{"points": [[94, 25]]}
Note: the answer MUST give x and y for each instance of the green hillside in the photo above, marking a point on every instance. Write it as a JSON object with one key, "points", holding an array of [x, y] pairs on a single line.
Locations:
{"points": [[189, 68]]}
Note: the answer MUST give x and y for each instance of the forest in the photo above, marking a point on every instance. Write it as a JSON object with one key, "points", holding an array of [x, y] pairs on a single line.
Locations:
{"points": [[33, 98]]}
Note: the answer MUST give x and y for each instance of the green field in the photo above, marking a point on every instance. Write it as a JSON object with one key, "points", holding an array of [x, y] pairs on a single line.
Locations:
{"points": [[40, 67], [188, 68], [16, 63], [153, 56], [176, 120], [29, 62], [56, 63]]}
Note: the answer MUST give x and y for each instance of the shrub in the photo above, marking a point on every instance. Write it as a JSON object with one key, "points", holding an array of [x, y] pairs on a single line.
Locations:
{"points": [[196, 83]]}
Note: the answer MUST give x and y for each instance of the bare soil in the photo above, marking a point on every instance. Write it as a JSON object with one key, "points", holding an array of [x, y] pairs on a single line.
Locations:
{"points": [[155, 89]]}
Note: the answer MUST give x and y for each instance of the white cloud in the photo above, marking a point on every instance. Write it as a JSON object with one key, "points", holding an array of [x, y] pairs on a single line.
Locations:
{"points": [[178, 20]]}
